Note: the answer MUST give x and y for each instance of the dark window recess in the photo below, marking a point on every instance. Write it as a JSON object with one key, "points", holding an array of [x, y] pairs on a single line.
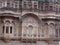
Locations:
{"points": [[8, 4], [38, 35], [24, 35], [59, 31], [20, 7], [41, 8], [16, 6], [51, 8], [42, 35], [59, 9], [3, 29], [25, 6], [7, 29], [10, 29], [14, 34], [46, 8], [34, 35], [56, 32], [29, 41], [24, 41], [35, 6]]}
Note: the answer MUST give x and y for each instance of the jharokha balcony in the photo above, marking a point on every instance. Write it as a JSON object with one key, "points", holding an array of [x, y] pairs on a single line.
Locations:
{"points": [[30, 21]]}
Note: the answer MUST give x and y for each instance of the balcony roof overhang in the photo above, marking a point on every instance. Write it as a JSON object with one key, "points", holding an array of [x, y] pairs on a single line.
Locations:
{"points": [[8, 15], [51, 17]]}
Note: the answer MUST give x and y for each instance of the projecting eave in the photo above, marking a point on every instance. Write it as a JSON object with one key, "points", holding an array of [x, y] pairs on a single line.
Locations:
{"points": [[9, 15], [57, 17], [49, 17]]}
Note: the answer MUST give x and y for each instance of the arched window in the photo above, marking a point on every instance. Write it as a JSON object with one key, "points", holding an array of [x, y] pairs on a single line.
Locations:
{"points": [[30, 27], [52, 29], [7, 27], [46, 28], [51, 24], [57, 32]]}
